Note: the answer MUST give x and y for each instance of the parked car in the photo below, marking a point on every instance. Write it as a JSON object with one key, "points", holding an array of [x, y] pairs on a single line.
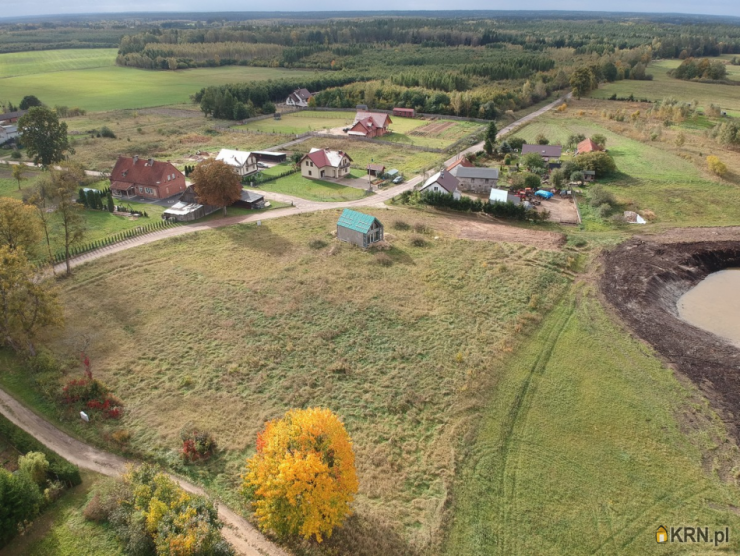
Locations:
{"points": [[397, 180], [262, 165]]}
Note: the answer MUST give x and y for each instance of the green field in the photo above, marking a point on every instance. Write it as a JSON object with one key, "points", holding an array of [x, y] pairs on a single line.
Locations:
{"points": [[663, 86], [301, 122], [48, 61], [113, 87], [584, 450], [312, 190], [651, 176]]}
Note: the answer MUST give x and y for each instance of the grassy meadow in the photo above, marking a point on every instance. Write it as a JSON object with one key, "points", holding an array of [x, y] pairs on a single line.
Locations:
{"points": [[662, 86], [404, 353], [47, 61], [301, 122], [652, 174], [313, 190], [111, 87], [586, 448]]}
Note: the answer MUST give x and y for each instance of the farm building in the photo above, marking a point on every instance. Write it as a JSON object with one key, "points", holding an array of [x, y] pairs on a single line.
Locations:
{"points": [[323, 163], [187, 208], [146, 178], [477, 180], [244, 163], [547, 152], [502, 196], [404, 112], [299, 97], [269, 156], [589, 175], [370, 124], [359, 229], [12, 117], [8, 133], [442, 182], [588, 146], [250, 200], [375, 169]]}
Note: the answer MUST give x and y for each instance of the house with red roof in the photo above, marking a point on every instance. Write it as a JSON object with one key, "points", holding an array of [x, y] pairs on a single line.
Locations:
{"points": [[588, 146], [462, 161], [323, 163], [370, 124], [132, 177]]}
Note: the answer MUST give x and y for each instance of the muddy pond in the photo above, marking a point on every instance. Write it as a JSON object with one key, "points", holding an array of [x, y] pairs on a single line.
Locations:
{"points": [[714, 305]]}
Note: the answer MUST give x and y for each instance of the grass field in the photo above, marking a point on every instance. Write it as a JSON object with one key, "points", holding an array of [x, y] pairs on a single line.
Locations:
{"points": [[47, 61], [111, 87], [284, 325], [313, 190], [301, 122], [663, 86], [585, 448], [652, 176], [63, 531]]}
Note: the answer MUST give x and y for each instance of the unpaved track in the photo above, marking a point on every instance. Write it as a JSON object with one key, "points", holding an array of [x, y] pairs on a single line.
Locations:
{"points": [[242, 535]]}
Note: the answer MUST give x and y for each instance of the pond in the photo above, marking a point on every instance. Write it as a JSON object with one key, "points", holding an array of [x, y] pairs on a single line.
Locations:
{"points": [[714, 305]]}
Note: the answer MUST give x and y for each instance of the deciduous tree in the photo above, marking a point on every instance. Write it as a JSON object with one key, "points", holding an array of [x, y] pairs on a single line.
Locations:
{"points": [[216, 184], [19, 228], [716, 166], [40, 199], [65, 184], [44, 136], [581, 81], [18, 171], [302, 479], [599, 139]]}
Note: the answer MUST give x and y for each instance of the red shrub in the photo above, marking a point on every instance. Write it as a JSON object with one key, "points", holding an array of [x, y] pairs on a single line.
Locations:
{"points": [[94, 395], [197, 445]]}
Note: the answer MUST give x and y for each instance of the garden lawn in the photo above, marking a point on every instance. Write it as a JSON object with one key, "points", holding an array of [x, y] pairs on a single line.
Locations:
{"points": [[662, 86], [48, 61], [301, 122], [312, 190], [651, 175], [586, 448], [275, 320], [114, 87]]}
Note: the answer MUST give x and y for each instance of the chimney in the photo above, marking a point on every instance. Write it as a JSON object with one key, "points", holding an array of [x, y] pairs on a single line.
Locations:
{"points": [[136, 158]]}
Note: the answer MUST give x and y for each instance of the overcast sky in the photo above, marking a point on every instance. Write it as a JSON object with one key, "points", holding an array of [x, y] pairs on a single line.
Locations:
{"points": [[49, 7]]}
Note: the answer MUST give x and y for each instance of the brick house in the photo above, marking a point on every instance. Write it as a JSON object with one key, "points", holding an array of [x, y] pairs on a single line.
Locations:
{"points": [[149, 178], [323, 163], [370, 124]]}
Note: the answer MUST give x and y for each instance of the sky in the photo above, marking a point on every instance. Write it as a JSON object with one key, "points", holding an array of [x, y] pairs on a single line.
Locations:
{"points": [[49, 7]]}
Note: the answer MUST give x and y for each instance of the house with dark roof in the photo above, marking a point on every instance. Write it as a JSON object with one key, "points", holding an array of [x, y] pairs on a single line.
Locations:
{"points": [[547, 152], [370, 124], [477, 180], [404, 112], [187, 208], [324, 163], [376, 170], [588, 146], [12, 117], [442, 182], [359, 229], [299, 97], [149, 178]]}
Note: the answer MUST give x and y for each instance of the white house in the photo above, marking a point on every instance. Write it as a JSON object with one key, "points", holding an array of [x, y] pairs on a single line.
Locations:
{"points": [[8, 133], [323, 163], [244, 163], [299, 97], [442, 182], [478, 180]]}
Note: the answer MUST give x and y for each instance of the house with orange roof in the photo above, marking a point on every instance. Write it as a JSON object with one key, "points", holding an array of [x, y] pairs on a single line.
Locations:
{"points": [[588, 146]]}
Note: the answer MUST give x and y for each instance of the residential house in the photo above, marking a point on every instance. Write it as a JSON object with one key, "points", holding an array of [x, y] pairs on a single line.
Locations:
{"points": [[187, 208], [588, 146], [370, 124], [442, 182], [244, 163], [323, 163], [461, 161], [8, 133], [547, 152], [12, 117], [299, 97], [375, 169], [359, 229], [477, 180], [404, 112], [146, 178], [503, 196]]}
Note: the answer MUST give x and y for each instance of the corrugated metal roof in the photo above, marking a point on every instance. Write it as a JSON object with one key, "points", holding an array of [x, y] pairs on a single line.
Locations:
{"points": [[356, 221], [479, 173]]}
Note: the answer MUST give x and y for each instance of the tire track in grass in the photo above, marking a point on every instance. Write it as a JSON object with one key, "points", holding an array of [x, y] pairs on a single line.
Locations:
{"points": [[517, 414]]}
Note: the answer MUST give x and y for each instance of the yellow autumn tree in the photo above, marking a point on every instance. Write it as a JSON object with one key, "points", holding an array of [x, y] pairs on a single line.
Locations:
{"points": [[716, 166], [302, 479]]}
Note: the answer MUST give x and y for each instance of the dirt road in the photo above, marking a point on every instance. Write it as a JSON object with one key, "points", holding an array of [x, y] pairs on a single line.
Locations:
{"points": [[243, 536]]}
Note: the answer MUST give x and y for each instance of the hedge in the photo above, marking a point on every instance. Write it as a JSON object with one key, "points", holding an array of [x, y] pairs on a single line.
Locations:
{"points": [[59, 467]]}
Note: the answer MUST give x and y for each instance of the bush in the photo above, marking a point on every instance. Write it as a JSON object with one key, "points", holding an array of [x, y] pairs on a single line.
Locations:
{"points": [[54, 491], [516, 143], [197, 444], [105, 131], [599, 162], [600, 196], [532, 160], [604, 210], [541, 139], [532, 181], [418, 241], [16, 154], [95, 511], [317, 244], [35, 465], [420, 228], [400, 225], [716, 166], [383, 259], [20, 500]]}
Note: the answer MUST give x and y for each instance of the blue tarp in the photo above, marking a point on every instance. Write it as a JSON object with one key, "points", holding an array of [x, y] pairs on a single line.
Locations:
{"points": [[543, 193]]}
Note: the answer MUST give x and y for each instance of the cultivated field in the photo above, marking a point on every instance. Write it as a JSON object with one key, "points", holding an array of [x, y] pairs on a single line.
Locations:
{"points": [[652, 176], [663, 86], [111, 87], [48, 61], [404, 353]]}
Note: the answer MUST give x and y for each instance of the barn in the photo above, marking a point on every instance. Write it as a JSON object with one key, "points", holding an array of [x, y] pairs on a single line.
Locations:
{"points": [[359, 229], [404, 112]]}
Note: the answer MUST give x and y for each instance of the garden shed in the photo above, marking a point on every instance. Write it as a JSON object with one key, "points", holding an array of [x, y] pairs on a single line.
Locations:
{"points": [[360, 229]]}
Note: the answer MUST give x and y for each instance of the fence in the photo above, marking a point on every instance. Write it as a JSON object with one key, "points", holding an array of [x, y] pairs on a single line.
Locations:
{"points": [[76, 250], [259, 181]]}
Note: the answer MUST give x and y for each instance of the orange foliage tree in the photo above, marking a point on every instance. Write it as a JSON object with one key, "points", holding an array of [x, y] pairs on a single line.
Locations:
{"points": [[302, 479]]}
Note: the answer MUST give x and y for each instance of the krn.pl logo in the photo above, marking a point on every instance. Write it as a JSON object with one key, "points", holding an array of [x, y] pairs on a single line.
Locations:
{"points": [[661, 535]]}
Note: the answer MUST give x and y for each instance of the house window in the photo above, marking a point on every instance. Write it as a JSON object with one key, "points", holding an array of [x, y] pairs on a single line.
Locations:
{"points": [[141, 189], [149, 190], [309, 172]]}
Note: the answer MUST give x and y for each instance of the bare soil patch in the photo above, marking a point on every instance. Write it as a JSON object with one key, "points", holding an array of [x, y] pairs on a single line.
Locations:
{"points": [[432, 129], [644, 278]]}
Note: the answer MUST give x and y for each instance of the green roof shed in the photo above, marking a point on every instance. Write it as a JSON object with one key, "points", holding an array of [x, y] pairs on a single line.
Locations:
{"points": [[360, 229]]}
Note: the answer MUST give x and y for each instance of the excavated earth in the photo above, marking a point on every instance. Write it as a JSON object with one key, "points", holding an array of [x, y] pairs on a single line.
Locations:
{"points": [[644, 278]]}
